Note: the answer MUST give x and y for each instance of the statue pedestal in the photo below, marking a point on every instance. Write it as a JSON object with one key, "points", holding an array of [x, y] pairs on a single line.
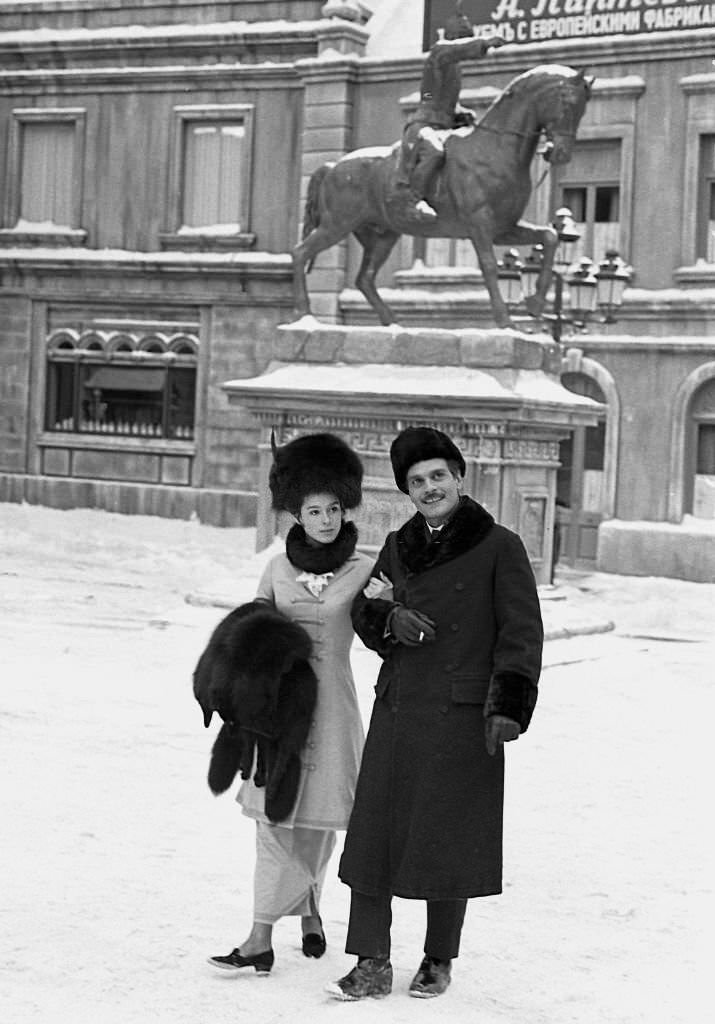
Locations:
{"points": [[496, 393]]}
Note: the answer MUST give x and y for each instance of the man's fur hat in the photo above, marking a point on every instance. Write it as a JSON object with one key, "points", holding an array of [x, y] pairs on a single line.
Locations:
{"points": [[314, 464], [255, 673], [417, 444]]}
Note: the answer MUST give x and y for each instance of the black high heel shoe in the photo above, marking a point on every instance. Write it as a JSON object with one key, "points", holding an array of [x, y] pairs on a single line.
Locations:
{"points": [[262, 962], [314, 944]]}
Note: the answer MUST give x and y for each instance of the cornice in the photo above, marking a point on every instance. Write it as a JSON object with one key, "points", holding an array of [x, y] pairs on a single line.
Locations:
{"points": [[90, 78], [702, 83], [122, 261]]}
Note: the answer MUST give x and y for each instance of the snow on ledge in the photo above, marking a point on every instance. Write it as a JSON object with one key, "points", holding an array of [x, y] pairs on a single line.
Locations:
{"points": [[147, 33], [426, 381]]}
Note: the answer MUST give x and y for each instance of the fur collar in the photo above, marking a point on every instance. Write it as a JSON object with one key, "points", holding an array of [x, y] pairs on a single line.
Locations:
{"points": [[322, 558], [469, 524]]}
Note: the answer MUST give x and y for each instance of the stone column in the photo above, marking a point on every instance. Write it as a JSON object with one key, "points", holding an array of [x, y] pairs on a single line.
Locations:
{"points": [[327, 135]]}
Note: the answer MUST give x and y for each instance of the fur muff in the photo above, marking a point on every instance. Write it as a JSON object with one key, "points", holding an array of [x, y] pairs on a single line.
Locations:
{"points": [[315, 464], [255, 673]]}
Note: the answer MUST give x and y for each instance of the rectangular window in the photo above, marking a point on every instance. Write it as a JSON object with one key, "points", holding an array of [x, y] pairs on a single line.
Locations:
{"points": [[590, 188], [210, 176], [213, 160], [45, 164], [47, 152], [706, 203]]}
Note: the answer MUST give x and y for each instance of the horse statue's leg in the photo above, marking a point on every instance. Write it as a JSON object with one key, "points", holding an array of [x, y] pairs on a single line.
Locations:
{"points": [[524, 233], [303, 255], [377, 246], [483, 245], [324, 224]]}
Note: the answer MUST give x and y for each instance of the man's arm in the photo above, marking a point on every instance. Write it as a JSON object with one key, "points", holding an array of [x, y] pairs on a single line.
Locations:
{"points": [[520, 636], [370, 614], [452, 51]]}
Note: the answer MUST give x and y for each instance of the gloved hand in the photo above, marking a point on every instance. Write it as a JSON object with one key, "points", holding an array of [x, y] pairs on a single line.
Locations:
{"points": [[499, 729], [410, 627]]}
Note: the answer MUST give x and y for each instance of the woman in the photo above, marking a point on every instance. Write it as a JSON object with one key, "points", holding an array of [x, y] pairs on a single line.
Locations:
{"points": [[316, 478]]}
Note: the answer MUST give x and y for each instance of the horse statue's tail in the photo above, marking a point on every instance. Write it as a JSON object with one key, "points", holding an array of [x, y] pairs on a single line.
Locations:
{"points": [[311, 214]]}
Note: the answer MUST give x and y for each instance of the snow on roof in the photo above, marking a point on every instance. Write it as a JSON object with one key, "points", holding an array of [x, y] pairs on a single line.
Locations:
{"points": [[141, 33], [419, 381]]}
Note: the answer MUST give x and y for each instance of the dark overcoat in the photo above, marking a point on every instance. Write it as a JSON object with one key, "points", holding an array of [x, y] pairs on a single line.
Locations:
{"points": [[427, 818]]}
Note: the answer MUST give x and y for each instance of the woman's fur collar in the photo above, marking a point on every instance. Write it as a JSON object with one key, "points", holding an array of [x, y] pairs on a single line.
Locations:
{"points": [[324, 557], [468, 525]]}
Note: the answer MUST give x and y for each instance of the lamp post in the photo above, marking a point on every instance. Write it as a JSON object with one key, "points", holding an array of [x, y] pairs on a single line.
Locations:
{"points": [[588, 287]]}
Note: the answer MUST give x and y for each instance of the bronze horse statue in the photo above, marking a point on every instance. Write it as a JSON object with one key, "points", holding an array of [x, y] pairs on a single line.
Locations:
{"points": [[480, 191]]}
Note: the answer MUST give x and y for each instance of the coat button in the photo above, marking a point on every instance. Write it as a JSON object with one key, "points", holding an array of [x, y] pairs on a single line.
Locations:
{"points": [[454, 627], [450, 666], [310, 744], [444, 709], [310, 767], [459, 586]]}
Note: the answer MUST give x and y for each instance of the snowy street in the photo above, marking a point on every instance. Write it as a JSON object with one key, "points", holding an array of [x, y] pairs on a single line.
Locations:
{"points": [[121, 872]]}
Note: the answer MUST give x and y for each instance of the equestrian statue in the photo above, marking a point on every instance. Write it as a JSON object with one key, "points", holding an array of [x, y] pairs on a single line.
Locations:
{"points": [[451, 176]]}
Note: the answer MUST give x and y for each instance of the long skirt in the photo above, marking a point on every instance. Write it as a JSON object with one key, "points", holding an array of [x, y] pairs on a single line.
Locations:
{"points": [[290, 870]]}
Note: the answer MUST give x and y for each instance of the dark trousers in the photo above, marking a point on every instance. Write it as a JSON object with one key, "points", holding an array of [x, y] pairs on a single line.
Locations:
{"points": [[371, 917]]}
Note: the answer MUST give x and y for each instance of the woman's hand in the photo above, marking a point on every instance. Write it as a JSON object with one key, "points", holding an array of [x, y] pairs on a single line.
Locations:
{"points": [[380, 588]]}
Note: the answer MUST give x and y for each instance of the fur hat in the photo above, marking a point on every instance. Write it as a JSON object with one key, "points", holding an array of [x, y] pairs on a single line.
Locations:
{"points": [[314, 464], [416, 444]]}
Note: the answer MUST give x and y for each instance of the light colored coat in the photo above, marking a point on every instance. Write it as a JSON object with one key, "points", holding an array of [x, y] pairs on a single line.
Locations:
{"points": [[331, 759]]}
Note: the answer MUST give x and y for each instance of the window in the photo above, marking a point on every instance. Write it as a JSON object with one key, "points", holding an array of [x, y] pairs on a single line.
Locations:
{"points": [[706, 200], [45, 171], [211, 170], [590, 186], [97, 384], [213, 159]]}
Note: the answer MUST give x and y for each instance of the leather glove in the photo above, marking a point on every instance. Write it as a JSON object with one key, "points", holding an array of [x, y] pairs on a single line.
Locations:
{"points": [[499, 729], [410, 627]]}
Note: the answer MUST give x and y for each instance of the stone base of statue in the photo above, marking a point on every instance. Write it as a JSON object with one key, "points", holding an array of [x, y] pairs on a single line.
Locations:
{"points": [[496, 392]]}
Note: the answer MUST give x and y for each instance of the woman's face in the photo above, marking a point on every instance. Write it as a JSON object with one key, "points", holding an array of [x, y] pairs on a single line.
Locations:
{"points": [[321, 517]]}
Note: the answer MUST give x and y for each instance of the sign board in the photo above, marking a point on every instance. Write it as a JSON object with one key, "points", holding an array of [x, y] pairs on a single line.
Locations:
{"points": [[533, 21]]}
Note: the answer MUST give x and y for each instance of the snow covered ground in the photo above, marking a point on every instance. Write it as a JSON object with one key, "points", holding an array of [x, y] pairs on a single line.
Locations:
{"points": [[120, 871]]}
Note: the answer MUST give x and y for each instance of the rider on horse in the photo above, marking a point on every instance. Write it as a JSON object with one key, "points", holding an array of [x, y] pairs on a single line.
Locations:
{"points": [[439, 111]]}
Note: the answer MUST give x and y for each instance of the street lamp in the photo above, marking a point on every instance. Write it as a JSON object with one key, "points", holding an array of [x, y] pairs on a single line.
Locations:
{"points": [[613, 276], [588, 287]]}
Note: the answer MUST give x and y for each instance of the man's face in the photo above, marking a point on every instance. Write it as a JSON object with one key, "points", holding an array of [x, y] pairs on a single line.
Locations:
{"points": [[433, 489]]}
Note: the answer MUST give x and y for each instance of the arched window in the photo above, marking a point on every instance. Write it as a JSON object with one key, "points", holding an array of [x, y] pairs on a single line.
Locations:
{"points": [[129, 386]]}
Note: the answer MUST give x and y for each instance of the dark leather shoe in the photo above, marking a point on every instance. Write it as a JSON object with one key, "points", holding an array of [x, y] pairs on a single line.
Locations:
{"points": [[314, 944], [369, 977], [261, 962], [432, 978]]}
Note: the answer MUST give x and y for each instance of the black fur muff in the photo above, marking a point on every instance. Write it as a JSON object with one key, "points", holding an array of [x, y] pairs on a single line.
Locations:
{"points": [[256, 674]]}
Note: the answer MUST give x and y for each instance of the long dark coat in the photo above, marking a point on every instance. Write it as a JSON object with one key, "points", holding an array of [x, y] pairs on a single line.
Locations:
{"points": [[427, 818]]}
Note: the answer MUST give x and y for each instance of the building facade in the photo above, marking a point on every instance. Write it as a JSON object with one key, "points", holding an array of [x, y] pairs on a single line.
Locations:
{"points": [[155, 157]]}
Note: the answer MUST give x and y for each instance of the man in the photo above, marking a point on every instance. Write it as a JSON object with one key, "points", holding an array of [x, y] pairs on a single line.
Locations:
{"points": [[439, 110], [458, 625]]}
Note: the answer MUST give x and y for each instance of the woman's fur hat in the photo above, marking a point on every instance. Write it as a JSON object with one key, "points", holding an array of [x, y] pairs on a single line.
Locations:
{"points": [[417, 444], [314, 464]]}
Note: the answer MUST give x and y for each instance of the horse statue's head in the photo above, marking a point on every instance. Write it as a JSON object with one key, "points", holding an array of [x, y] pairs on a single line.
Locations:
{"points": [[559, 95]]}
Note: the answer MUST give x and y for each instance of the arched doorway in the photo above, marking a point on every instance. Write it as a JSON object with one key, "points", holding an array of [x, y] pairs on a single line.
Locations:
{"points": [[700, 453], [581, 491]]}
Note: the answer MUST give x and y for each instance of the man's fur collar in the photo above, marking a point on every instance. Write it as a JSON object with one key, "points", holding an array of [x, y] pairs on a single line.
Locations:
{"points": [[469, 524]]}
